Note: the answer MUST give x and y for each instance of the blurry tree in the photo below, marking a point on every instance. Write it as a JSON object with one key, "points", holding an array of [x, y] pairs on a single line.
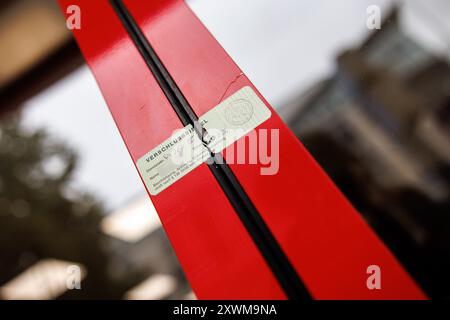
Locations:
{"points": [[41, 217]]}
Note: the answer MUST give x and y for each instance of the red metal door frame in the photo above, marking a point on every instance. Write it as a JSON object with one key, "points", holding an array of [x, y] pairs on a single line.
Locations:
{"points": [[325, 239]]}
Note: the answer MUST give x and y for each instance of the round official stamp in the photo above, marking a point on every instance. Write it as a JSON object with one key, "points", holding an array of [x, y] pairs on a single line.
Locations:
{"points": [[239, 112]]}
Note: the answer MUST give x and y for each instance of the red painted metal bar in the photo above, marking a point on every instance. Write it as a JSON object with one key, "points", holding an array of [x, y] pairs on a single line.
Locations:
{"points": [[218, 256], [326, 240]]}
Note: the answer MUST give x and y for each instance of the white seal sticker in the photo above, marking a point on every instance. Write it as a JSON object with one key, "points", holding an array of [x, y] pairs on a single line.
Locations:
{"points": [[234, 118], [184, 151]]}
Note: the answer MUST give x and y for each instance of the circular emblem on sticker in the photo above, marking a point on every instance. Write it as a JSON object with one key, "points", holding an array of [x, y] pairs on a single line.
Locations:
{"points": [[239, 112]]}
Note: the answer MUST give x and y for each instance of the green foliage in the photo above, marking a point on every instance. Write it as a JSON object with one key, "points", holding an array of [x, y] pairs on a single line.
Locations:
{"points": [[41, 217]]}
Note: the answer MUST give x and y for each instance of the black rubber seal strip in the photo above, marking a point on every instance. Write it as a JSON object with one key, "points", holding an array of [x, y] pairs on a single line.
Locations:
{"points": [[278, 262]]}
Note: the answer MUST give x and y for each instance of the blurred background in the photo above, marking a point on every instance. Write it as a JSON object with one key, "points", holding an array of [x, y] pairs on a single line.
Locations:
{"points": [[372, 107]]}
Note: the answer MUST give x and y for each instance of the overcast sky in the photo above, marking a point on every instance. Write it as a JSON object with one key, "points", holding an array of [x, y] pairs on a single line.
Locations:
{"points": [[284, 46]]}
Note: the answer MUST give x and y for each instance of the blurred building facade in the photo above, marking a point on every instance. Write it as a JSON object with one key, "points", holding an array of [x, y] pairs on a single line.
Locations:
{"points": [[380, 127]]}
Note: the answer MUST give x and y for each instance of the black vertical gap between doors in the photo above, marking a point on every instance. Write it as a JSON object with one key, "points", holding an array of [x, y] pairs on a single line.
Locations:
{"points": [[278, 262]]}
